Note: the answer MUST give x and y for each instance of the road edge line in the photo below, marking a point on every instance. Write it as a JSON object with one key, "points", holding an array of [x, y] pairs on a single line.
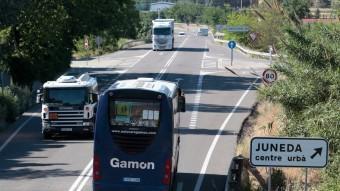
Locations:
{"points": [[9, 139], [213, 144], [81, 176]]}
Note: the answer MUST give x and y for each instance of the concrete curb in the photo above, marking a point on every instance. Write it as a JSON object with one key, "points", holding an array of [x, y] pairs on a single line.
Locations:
{"points": [[132, 43]]}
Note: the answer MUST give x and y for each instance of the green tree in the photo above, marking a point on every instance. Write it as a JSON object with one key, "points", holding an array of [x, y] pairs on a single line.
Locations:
{"points": [[43, 33], [296, 9], [213, 16]]}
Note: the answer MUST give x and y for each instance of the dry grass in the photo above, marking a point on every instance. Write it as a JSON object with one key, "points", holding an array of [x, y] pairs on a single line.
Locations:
{"points": [[266, 122]]}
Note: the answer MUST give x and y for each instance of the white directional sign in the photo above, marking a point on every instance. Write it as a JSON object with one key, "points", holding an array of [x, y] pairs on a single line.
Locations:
{"points": [[289, 152], [237, 28]]}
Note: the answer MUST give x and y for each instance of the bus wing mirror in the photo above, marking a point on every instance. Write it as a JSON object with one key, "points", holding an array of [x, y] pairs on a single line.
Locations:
{"points": [[181, 103], [39, 96]]}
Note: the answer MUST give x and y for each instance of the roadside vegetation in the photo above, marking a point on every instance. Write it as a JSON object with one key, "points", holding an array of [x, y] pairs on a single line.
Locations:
{"points": [[305, 101], [14, 100]]}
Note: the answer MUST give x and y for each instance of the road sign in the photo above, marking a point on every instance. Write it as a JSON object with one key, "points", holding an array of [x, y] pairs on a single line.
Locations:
{"points": [[253, 36], [269, 76], [240, 28], [99, 40], [231, 44], [289, 152], [86, 42]]}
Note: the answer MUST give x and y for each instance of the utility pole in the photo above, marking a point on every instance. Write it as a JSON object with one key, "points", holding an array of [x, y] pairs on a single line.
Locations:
{"points": [[159, 13]]}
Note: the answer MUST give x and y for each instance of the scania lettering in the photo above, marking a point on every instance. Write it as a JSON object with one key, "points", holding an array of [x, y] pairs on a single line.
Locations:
{"points": [[68, 105], [163, 34], [136, 143]]}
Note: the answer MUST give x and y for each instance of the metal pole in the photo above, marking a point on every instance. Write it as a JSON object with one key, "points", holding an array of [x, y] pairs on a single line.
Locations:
{"points": [[232, 57], [241, 4], [270, 179], [2, 82], [159, 13], [270, 55], [306, 173]]}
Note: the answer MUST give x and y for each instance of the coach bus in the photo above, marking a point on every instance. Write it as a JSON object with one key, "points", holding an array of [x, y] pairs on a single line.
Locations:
{"points": [[136, 143]]}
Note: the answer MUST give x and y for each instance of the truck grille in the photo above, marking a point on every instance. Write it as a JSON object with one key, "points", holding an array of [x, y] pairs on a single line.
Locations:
{"points": [[133, 144], [161, 41], [67, 118]]}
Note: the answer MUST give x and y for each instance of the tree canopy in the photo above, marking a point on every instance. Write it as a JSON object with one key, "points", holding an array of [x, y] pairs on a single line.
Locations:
{"points": [[38, 36]]}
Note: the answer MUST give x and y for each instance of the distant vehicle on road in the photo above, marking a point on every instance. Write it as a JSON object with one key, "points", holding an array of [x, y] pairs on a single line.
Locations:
{"points": [[181, 33], [136, 143], [163, 34], [68, 105], [204, 31]]}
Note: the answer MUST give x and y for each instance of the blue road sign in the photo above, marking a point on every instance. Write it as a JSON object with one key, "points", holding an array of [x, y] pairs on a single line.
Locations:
{"points": [[231, 44]]}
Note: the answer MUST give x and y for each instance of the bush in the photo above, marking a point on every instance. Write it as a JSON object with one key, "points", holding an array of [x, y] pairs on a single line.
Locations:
{"points": [[310, 91], [14, 100]]}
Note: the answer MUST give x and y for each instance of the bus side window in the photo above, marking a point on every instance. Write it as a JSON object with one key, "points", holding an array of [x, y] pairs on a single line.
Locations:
{"points": [[181, 101]]}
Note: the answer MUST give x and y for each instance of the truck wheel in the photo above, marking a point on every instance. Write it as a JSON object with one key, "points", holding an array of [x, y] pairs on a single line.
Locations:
{"points": [[47, 135]]}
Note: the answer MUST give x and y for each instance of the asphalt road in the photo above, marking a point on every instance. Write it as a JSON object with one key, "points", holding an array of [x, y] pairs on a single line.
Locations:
{"points": [[218, 100]]}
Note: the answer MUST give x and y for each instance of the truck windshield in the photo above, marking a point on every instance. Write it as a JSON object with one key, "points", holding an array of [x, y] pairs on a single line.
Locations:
{"points": [[66, 96], [162, 31], [134, 113]]}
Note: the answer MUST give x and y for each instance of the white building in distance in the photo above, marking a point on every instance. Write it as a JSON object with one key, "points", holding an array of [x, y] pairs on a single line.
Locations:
{"points": [[159, 6]]}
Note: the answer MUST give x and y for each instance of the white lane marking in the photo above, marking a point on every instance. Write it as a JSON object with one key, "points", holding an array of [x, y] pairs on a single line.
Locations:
{"points": [[82, 184], [194, 114], [82, 179], [213, 144], [169, 62], [9, 139], [85, 171]]}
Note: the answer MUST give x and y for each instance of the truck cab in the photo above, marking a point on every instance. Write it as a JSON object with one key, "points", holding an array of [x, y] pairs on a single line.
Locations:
{"points": [[68, 105], [163, 34]]}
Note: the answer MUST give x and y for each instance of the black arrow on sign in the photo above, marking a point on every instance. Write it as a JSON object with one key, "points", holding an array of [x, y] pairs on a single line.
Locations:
{"points": [[317, 151]]}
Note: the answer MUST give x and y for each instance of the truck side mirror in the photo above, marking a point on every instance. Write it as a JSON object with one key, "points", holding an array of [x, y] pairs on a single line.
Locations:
{"points": [[94, 97], [39, 96], [181, 103]]}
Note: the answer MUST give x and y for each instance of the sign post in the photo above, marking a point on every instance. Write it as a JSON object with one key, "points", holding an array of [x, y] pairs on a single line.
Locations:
{"points": [[289, 152], [231, 45], [99, 41], [271, 55], [86, 46]]}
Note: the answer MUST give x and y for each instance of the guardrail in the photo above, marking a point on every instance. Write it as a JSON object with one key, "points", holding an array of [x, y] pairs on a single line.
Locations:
{"points": [[246, 50]]}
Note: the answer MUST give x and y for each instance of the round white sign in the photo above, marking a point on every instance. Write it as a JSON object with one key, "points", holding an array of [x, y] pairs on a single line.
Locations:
{"points": [[269, 76]]}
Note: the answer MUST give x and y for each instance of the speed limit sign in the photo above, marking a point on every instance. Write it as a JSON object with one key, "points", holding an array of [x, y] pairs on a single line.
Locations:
{"points": [[269, 76]]}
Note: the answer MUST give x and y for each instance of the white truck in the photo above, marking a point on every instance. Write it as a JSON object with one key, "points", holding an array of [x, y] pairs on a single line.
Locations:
{"points": [[68, 105], [163, 34]]}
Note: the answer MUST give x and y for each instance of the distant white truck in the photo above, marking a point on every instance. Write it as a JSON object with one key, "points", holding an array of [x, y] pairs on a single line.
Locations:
{"points": [[68, 105], [163, 34], [203, 31]]}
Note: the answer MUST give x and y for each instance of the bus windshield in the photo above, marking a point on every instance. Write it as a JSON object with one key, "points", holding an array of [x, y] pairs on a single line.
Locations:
{"points": [[66, 96], [162, 31], [134, 113]]}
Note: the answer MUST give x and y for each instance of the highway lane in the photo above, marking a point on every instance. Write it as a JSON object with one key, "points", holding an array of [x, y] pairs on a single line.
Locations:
{"points": [[56, 164]]}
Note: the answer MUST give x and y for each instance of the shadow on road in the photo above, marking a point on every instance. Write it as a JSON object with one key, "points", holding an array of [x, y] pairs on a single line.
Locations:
{"points": [[191, 49], [214, 132], [211, 182], [213, 108]]}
